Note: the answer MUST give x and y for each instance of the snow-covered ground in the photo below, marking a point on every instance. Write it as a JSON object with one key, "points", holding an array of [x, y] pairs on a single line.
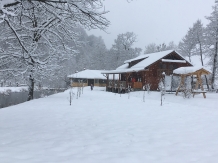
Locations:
{"points": [[13, 89], [102, 127]]}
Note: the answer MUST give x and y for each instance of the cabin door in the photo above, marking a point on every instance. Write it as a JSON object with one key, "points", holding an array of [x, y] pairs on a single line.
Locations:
{"points": [[90, 81]]}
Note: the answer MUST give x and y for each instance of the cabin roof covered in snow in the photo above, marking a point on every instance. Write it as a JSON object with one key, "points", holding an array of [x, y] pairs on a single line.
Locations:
{"points": [[88, 74], [146, 60], [124, 66], [117, 71], [154, 56], [191, 70]]}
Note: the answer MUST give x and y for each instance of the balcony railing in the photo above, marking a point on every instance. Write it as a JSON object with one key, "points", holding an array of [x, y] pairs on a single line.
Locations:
{"points": [[122, 84]]}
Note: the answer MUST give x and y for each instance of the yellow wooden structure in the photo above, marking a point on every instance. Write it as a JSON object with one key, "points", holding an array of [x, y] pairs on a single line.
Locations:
{"points": [[192, 71], [87, 77]]}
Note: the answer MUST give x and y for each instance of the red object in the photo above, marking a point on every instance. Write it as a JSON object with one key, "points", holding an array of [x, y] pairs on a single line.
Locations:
{"points": [[133, 80]]}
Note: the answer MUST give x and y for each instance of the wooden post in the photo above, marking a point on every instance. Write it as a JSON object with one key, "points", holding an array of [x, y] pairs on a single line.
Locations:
{"points": [[142, 78], [197, 83], [118, 86], [181, 84], [113, 84], [107, 84], [127, 76], [200, 82]]}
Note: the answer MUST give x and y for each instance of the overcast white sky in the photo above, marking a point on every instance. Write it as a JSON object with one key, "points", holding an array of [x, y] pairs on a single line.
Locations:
{"points": [[153, 21]]}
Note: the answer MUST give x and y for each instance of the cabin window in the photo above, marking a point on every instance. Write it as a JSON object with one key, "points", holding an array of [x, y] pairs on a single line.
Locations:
{"points": [[171, 67], [96, 80], [102, 81], [76, 80], [162, 65], [84, 80], [175, 66]]}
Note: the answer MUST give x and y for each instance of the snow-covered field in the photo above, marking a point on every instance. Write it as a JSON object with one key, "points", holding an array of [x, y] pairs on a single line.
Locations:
{"points": [[102, 127]]}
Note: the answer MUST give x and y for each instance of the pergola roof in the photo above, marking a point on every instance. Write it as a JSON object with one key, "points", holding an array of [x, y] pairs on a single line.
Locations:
{"points": [[191, 71]]}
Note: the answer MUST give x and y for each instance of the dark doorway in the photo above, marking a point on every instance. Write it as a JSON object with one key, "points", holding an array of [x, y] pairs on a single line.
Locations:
{"points": [[90, 81]]}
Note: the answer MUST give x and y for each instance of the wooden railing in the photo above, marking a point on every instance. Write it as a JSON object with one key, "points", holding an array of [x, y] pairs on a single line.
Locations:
{"points": [[117, 84], [122, 84]]}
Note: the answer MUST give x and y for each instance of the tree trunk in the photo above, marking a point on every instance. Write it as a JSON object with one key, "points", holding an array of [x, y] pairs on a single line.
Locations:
{"points": [[214, 66], [190, 59], [35, 39], [31, 88], [202, 63]]}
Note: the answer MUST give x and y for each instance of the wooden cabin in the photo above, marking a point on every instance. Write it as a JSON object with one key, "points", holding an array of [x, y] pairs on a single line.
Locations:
{"points": [[145, 69], [88, 77]]}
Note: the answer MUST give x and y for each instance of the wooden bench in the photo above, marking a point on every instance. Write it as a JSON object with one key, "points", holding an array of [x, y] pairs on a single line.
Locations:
{"points": [[198, 92]]}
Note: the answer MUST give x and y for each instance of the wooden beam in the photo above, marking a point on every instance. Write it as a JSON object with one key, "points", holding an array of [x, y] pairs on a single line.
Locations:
{"points": [[181, 84], [107, 84], [199, 82], [113, 83], [127, 76], [201, 85]]}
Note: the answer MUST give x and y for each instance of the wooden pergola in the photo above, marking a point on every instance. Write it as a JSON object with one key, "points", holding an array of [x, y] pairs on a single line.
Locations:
{"points": [[192, 71]]}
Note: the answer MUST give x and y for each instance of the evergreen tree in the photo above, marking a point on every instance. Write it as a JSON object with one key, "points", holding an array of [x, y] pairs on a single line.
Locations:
{"points": [[212, 41]]}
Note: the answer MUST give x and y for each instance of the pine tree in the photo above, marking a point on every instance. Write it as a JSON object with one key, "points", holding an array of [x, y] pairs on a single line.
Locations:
{"points": [[212, 41]]}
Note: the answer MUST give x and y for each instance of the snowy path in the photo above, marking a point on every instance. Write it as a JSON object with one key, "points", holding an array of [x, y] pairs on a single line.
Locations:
{"points": [[102, 127]]}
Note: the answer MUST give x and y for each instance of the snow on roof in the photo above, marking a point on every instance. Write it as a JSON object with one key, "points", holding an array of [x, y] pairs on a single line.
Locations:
{"points": [[173, 61], [148, 60], [187, 70], [122, 71], [88, 74], [151, 59], [153, 55], [124, 66]]}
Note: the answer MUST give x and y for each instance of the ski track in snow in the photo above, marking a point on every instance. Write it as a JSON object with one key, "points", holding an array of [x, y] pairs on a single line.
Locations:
{"points": [[102, 127]]}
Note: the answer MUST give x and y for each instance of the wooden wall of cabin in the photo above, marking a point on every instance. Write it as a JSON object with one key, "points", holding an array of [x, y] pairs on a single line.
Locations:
{"points": [[76, 84], [97, 82], [155, 71]]}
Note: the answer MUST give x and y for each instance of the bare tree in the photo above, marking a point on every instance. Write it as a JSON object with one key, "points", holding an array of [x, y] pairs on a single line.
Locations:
{"points": [[199, 40], [39, 33], [153, 48], [186, 46], [122, 49]]}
